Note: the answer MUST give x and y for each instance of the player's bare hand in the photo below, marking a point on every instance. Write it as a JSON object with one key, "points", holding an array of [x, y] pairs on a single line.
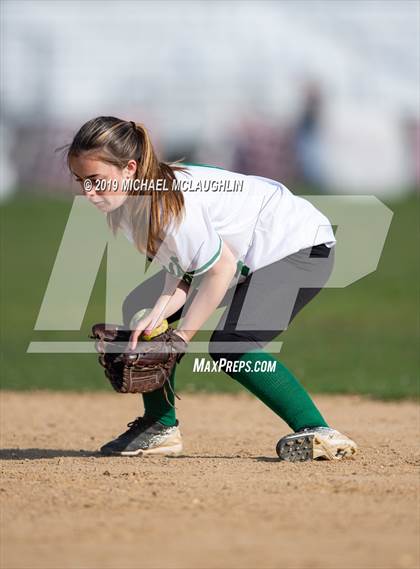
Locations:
{"points": [[143, 326]]}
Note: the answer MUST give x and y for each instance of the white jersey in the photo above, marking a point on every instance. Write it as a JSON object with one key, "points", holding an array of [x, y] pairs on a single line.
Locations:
{"points": [[259, 219]]}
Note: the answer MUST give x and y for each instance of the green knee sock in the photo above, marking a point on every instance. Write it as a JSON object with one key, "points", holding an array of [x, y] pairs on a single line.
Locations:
{"points": [[279, 390], [157, 407]]}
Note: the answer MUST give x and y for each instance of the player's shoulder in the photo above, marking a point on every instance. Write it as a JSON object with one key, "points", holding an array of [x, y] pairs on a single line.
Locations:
{"points": [[195, 169]]}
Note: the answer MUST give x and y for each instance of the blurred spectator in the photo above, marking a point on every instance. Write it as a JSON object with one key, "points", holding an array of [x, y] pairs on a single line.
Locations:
{"points": [[308, 133], [412, 131], [261, 148], [7, 169], [39, 167]]}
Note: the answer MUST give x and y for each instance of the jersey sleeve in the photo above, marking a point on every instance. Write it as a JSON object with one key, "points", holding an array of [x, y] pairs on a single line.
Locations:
{"points": [[195, 243]]}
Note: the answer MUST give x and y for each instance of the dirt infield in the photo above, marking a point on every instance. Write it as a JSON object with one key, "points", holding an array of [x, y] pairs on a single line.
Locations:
{"points": [[226, 503]]}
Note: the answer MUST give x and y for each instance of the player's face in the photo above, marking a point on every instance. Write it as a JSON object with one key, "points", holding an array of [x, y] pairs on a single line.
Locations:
{"points": [[101, 182]]}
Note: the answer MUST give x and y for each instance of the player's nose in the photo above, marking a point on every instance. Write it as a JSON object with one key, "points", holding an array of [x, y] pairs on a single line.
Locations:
{"points": [[92, 197]]}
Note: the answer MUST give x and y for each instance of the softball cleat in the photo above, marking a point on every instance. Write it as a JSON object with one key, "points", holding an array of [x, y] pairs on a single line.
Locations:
{"points": [[146, 437], [315, 443]]}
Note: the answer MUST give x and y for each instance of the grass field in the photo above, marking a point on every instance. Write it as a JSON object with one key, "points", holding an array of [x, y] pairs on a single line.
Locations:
{"points": [[360, 339]]}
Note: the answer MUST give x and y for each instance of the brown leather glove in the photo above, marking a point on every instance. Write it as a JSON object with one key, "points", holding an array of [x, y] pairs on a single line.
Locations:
{"points": [[147, 368]]}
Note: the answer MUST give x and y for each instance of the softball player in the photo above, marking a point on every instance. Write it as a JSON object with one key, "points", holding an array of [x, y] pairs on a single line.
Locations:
{"points": [[223, 240]]}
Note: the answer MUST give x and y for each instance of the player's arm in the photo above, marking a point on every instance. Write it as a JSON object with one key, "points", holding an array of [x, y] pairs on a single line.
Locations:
{"points": [[172, 298], [212, 289]]}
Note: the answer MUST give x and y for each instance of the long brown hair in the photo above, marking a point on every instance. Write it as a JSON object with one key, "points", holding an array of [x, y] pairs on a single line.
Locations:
{"points": [[117, 141]]}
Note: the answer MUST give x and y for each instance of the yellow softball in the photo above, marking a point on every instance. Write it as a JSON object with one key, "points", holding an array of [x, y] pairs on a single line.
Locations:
{"points": [[156, 331]]}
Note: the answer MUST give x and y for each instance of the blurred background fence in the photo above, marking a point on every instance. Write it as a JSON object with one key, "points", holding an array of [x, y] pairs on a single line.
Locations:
{"points": [[324, 92], [321, 95]]}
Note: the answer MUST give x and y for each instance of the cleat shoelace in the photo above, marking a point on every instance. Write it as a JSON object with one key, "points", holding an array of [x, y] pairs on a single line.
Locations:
{"points": [[137, 424]]}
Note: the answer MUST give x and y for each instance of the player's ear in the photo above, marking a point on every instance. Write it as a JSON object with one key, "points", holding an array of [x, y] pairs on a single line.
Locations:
{"points": [[130, 169]]}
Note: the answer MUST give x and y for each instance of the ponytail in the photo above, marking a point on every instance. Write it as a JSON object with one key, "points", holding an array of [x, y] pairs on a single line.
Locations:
{"points": [[116, 141]]}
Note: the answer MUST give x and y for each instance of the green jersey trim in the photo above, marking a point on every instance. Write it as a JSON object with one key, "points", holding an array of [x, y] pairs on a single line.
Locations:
{"points": [[209, 263], [242, 269], [202, 165]]}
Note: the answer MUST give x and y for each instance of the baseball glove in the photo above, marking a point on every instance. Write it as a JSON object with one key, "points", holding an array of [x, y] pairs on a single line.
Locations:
{"points": [[148, 368]]}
